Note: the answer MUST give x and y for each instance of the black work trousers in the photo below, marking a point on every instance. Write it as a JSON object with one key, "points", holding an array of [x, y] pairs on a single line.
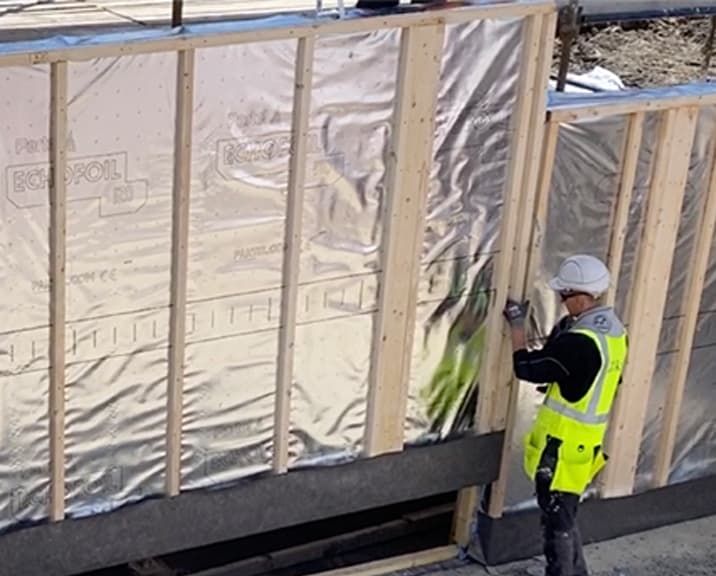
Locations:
{"points": [[560, 532]]}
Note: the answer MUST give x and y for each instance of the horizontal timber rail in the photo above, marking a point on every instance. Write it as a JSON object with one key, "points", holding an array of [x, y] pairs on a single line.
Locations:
{"points": [[572, 110], [244, 32]]}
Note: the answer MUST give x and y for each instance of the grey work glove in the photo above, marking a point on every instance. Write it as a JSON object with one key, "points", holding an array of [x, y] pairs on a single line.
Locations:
{"points": [[516, 313]]}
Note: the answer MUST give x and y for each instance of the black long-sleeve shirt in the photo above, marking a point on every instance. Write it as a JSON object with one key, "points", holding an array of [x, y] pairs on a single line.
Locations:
{"points": [[570, 359]]}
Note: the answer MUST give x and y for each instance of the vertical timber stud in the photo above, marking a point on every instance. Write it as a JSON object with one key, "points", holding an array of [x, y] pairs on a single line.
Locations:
{"points": [[530, 245], [648, 296], [292, 247], [180, 255], [523, 275], [430, 57], [409, 166], [622, 203], [698, 264], [530, 235], [529, 111], [490, 365], [58, 229]]}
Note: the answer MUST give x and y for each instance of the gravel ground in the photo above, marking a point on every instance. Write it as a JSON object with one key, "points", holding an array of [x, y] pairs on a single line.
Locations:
{"points": [[658, 53], [687, 549]]}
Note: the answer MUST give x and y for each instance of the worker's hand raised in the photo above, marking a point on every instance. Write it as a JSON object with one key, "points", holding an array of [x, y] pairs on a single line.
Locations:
{"points": [[515, 312]]}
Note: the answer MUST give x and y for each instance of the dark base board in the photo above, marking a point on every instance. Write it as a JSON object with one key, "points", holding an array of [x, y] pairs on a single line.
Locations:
{"points": [[314, 547], [517, 535], [258, 505], [412, 532]]}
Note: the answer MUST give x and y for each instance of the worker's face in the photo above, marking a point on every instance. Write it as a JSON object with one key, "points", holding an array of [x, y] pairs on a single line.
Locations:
{"points": [[576, 302]]}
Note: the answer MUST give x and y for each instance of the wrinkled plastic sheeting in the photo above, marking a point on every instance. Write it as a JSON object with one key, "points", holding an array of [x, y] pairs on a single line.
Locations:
{"points": [[119, 251], [239, 186], [241, 142], [464, 206], [694, 452], [24, 257], [119, 179], [354, 90], [582, 196], [120, 150], [695, 448]]}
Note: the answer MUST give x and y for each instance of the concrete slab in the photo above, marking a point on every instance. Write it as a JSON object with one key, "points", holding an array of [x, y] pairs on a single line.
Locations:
{"points": [[687, 549]]}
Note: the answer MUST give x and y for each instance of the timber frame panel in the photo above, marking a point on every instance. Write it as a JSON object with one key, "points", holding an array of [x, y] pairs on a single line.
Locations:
{"points": [[647, 296], [535, 135], [418, 75]]}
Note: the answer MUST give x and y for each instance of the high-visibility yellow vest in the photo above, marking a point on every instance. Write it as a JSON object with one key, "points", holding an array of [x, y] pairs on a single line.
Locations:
{"points": [[581, 426]]}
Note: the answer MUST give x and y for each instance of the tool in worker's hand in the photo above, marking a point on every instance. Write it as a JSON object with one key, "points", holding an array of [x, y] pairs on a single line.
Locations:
{"points": [[516, 312]]}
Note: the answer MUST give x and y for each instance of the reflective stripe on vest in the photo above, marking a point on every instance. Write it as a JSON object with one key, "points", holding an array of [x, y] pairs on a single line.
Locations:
{"points": [[590, 416]]}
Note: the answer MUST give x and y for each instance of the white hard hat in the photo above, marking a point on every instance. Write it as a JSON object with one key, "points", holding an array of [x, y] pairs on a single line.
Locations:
{"points": [[582, 273]]}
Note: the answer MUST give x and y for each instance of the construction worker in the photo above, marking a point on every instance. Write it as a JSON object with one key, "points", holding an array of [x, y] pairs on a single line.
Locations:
{"points": [[581, 365]]}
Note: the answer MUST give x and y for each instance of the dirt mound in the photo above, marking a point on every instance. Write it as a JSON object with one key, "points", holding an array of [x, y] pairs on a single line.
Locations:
{"points": [[655, 53]]}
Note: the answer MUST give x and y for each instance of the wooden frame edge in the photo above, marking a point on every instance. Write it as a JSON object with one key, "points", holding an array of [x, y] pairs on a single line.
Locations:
{"points": [[250, 33], [374, 441], [625, 192], [404, 562], [468, 499], [498, 491], [536, 186], [408, 174], [622, 106], [538, 36], [58, 258], [432, 60], [292, 245], [489, 373], [179, 265]]}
